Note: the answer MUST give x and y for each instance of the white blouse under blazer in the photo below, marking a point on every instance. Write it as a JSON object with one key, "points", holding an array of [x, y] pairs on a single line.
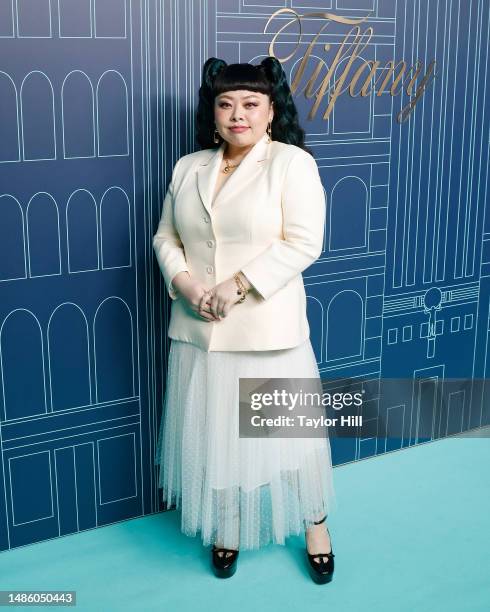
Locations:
{"points": [[267, 220]]}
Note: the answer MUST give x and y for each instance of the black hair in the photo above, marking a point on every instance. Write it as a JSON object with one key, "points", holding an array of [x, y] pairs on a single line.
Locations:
{"points": [[268, 78]]}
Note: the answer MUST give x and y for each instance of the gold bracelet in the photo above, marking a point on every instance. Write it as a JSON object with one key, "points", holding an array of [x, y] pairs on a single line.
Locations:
{"points": [[246, 289], [241, 288]]}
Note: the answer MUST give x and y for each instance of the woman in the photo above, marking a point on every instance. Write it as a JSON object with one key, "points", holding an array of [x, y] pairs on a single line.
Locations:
{"points": [[242, 218]]}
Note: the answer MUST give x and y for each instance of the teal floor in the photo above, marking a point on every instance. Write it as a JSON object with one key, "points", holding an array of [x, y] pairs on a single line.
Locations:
{"points": [[411, 533]]}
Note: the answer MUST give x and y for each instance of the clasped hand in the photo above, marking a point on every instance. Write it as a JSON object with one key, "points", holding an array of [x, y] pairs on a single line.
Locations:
{"points": [[210, 304]]}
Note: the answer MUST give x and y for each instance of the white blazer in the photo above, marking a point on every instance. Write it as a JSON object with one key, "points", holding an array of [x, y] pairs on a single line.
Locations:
{"points": [[267, 221]]}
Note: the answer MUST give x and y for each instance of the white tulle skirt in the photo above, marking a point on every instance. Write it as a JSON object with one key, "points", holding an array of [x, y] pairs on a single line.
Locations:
{"points": [[238, 492]]}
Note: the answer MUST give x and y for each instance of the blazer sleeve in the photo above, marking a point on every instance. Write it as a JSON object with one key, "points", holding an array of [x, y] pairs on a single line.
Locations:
{"points": [[304, 210], [167, 245]]}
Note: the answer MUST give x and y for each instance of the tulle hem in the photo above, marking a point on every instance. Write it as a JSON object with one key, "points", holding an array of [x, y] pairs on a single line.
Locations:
{"points": [[237, 492], [236, 518]]}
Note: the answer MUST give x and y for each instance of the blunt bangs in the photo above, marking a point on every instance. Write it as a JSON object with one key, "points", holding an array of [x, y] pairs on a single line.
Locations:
{"points": [[242, 76]]}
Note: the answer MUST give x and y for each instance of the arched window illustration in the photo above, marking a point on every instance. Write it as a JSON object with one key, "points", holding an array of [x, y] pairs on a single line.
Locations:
{"points": [[12, 258], [115, 228], [113, 351], [77, 115], [348, 214], [110, 18], [68, 358], [75, 19], [355, 116], [33, 18], [314, 311], [81, 232], [21, 343], [43, 236], [37, 117], [112, 115], [345, 325], [9, 120]]}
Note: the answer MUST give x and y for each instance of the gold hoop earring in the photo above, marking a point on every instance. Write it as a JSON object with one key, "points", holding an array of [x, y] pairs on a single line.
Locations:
{"points": [[269, 131], [216, 134]]}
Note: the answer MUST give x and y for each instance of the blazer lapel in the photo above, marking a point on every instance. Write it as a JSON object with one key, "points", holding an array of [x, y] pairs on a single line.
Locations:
{"points": [[207, 172]]}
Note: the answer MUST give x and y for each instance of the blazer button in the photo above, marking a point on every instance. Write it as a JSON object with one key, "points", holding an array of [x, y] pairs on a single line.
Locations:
{"points": [[210, 243], [206, 220], [209, 269]]}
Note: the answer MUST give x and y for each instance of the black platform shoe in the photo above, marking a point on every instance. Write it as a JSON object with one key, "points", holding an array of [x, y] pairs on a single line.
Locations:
{"points": [[224, 565], [321, 571]]}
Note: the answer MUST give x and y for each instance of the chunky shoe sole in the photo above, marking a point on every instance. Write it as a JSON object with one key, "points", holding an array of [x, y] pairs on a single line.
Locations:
{"points": [[321, 572], [225, 566], [318, 577]]}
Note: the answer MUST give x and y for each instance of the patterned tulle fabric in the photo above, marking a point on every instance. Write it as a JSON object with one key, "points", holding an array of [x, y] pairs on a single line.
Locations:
{"points": [[237, 492]]}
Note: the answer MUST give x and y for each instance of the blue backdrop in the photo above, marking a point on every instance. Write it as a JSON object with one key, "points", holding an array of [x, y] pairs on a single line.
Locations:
{"points": [[97, 102]]}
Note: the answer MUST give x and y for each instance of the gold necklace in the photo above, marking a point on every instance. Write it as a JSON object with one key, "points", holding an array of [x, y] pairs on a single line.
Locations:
{"points": [[229, 166]]}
